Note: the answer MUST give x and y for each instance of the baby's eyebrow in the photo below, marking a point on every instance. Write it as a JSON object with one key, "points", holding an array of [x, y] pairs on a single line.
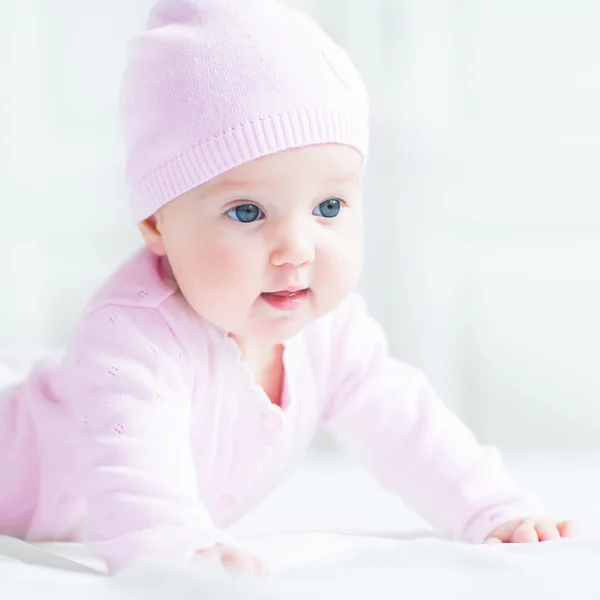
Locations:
{"points": [[229, 185], [342, 177]]}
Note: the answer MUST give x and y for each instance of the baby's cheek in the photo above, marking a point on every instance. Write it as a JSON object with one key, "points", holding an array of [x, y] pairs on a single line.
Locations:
{"points": [[350, 273], [201, 270], [229, 265], [347, 256], [338, 275], [227, 276]]}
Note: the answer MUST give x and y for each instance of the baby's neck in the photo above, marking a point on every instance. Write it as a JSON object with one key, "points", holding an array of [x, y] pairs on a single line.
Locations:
{"points": [[257, 352], [266, 363]]}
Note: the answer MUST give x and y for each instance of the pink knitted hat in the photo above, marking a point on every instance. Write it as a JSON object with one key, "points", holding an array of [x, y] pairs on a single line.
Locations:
{"points": [[211, 84]]}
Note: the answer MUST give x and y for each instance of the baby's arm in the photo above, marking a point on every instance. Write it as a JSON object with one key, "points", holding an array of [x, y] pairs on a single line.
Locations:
{"points": [[388, 413], [129, 387]]}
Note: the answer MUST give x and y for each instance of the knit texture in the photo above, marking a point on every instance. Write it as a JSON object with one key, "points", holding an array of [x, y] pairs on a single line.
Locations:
{"points": [[211, 84]]}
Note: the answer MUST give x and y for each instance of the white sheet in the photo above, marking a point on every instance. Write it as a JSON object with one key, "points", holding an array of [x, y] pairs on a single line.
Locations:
{"points": [[329, 565], [341, 536]]}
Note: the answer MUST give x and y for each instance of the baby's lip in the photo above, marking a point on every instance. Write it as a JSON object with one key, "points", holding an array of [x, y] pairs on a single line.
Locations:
{"points": [[291, 289]]}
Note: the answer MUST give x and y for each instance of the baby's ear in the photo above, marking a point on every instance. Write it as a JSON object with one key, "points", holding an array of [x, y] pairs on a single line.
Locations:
{"points": [[150, 230]]}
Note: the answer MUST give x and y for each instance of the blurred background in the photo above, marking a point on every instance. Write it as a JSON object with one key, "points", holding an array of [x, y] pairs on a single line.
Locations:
{"points": [[483, 232]]}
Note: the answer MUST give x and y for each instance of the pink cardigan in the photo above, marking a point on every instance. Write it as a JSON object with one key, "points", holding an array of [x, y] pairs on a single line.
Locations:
{"points": [[149, 436]]}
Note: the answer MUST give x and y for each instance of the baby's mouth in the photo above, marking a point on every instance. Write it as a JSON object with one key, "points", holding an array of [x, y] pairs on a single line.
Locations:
{"points": [[286, 300], [286, 293]]}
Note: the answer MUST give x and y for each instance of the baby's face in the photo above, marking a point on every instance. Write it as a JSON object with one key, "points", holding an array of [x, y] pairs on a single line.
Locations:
{"points": [[267, 247]]}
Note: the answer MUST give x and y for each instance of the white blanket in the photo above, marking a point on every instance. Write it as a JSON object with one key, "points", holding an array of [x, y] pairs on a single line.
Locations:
{"points": [[325, 565], [341, 536]]}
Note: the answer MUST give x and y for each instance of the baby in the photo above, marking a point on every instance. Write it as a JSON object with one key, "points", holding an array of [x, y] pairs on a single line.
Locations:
{"points": [[200, 370]]}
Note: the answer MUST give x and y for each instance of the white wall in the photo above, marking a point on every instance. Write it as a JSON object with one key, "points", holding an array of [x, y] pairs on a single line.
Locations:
{"points": [[484, 220]]}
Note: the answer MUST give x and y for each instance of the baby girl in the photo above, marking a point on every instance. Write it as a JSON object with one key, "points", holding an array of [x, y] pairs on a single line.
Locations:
{"points": [[200, 370]]}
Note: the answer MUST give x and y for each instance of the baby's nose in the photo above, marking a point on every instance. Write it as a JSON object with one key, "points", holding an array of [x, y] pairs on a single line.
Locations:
{"points": [[294, 247]]}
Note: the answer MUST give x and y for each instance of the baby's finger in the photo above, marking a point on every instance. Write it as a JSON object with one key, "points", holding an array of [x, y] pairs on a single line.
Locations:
{"points": [[210, 555], [525, 533], [567, 529], [546, 531], [261, 568], [236, 561], [493, 540]]}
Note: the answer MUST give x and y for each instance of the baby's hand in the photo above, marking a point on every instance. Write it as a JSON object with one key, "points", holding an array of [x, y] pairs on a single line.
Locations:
{"points": [[531, 530], [235, 560]]}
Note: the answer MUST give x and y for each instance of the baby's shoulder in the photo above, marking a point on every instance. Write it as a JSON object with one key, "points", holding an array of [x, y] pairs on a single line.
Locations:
{"points": [[139, 305], [143, 280]]}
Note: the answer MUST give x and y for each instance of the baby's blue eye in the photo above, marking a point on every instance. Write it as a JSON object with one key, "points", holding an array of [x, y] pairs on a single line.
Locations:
{"points": [[245, 213], [328, 209]]}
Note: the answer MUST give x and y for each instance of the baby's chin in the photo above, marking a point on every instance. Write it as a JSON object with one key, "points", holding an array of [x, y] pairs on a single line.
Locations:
{"points": [[269, 323], [270, 328], [275, 331]]}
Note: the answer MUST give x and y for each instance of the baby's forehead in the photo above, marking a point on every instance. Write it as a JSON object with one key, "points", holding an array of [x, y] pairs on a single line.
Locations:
{"points": [[317, 164]]}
